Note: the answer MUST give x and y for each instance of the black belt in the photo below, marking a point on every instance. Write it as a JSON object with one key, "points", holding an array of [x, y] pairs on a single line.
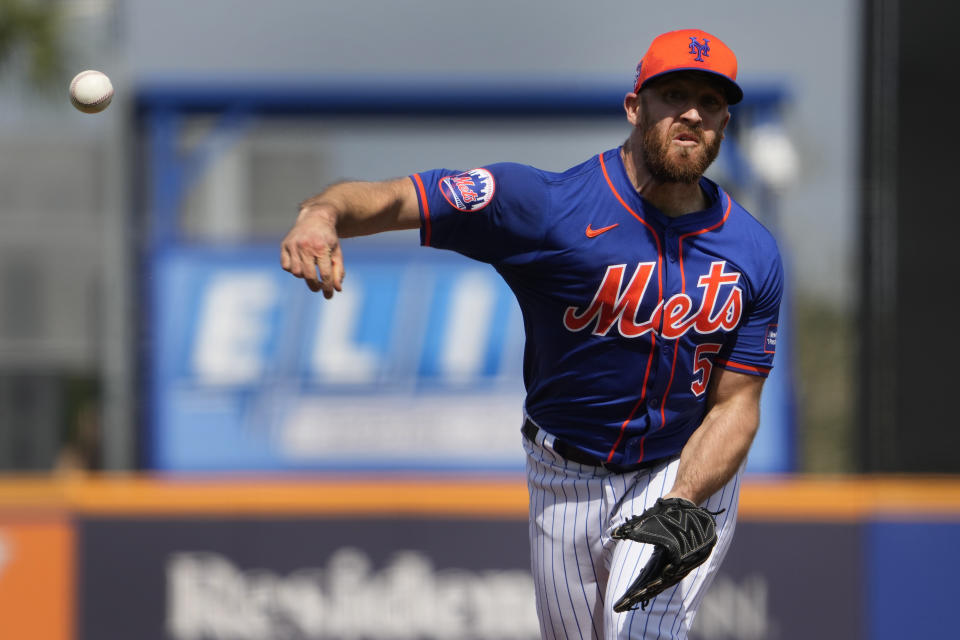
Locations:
{"points": [[571, 453]]}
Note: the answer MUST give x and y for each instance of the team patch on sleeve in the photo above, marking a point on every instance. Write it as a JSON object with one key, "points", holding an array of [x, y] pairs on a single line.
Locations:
{"points": [[770, 340], [468, 191]]}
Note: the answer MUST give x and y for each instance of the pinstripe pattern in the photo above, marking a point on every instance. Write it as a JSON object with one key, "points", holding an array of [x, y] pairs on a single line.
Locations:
{"points": [[578, 568]]}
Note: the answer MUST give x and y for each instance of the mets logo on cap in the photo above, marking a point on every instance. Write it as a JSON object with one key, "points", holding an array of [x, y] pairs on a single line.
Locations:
{"points": [[468, 191]]}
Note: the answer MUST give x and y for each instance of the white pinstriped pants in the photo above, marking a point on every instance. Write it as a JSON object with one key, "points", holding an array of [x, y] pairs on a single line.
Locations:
{"points": [[579, 571]]}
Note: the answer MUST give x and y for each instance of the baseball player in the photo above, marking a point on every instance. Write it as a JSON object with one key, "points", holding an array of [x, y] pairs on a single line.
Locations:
{"points": [[650, 302]]}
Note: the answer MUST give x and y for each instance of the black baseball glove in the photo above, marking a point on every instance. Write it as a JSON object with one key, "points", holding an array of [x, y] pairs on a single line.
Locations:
{"points": [[683, 534]]}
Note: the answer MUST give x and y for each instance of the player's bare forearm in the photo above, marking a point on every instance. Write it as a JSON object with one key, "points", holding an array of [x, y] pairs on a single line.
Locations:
{"points": [[717, 449], [311, 250], [364, 208]]}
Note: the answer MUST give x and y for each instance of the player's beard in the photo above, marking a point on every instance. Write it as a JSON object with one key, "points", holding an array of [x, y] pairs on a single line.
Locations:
{"points": [[667, 162]]}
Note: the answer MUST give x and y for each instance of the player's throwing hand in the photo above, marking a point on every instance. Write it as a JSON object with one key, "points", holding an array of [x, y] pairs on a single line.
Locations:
{"points": [[312, 251]]}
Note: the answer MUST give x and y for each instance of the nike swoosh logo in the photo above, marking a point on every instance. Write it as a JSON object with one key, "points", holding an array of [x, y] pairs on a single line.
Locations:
{"points": [[593, 233]]}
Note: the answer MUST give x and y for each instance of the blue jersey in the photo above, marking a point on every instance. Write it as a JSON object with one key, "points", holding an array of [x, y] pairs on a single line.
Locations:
{"points": [[627, 311]]}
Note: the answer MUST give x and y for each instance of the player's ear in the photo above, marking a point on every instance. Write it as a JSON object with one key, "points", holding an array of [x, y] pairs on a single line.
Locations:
{"points": [[631, 104], [723, 126]]}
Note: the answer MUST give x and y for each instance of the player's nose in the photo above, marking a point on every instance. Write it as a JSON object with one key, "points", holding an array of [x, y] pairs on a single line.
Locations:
{"points": [[691, 115]]}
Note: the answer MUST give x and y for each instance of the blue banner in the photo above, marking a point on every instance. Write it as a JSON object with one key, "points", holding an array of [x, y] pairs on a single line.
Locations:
{"points": [[415, 365]]}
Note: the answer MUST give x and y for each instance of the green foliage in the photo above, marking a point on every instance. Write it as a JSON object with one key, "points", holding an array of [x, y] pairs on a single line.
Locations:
{"points": [[32, 29]]}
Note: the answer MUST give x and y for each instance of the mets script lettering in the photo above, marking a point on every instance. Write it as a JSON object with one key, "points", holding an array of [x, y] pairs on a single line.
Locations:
{"points": [[465, 185], [671, 318]]}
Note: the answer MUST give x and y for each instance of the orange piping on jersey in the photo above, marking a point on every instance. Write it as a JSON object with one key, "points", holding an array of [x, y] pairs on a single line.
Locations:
{"points": [[666, 394], [745, 367], [683, 274], [643, 395], [426, 209], [683, 290], [603, 166], [653, 341]]}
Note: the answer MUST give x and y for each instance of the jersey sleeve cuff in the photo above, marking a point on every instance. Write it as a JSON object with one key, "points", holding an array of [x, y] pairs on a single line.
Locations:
{"points": [[424, 209], [749, 369]]}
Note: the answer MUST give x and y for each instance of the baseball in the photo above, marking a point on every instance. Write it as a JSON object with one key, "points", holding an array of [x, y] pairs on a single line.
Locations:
{"points": [[91, 91]]}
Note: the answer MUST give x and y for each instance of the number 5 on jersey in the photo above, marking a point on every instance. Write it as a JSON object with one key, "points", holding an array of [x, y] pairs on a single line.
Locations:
{"points": [[703, 365]]}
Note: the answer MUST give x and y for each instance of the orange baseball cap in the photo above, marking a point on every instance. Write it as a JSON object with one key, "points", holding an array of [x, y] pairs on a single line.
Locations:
{"points": [[689, 50]]}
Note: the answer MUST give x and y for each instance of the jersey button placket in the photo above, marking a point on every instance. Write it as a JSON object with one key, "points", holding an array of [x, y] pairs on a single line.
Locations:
{"points": [[666, 353], [671, 278], [670, 240]]}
